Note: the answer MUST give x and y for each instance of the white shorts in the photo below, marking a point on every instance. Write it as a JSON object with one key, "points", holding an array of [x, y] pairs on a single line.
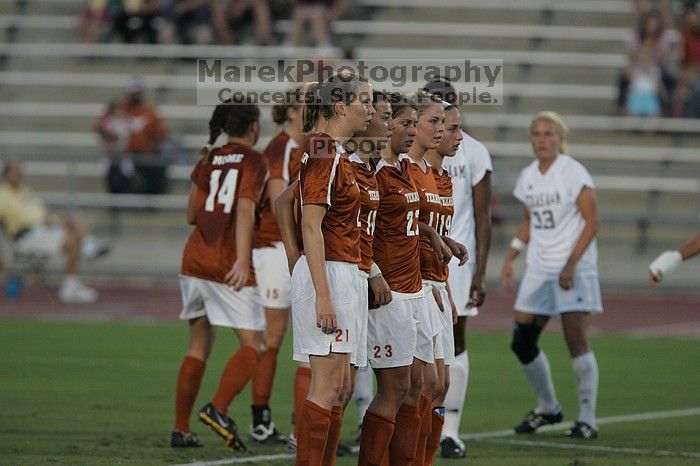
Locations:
{"points": [[343, 281], [359, 351], [272, 275], [392, 333], [445, 341], [460, 282], [541, 294], [42, 240], [222, 306]]}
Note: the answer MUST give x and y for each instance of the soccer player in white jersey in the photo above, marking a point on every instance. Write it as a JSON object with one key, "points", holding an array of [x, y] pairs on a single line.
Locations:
{"points": [[470, 170], [561, 275], [669, 260]]}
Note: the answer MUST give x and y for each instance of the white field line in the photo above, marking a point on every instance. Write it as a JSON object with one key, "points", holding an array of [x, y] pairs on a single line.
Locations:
{"points": [[494, 434], [601, 448]]}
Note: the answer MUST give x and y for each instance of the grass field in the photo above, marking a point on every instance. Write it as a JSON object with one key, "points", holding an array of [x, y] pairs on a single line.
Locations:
{"points": [[101, 393]]}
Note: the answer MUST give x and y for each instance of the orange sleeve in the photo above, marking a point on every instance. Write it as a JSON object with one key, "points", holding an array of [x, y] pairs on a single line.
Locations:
{"points": [[275, 156], [253, 177]]}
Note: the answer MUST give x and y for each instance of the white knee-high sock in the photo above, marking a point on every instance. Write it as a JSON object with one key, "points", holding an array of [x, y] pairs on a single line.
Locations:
{"points": [[456, 394], [363, 392], [586, 371], [539, 375]]}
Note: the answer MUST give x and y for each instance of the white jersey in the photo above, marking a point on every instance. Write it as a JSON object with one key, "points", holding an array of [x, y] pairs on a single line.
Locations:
{"points": [[555, 221], [466, 168]]}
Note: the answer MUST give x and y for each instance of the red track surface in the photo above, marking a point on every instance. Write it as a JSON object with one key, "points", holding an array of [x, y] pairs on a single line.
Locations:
{"points": [[639, 314]]}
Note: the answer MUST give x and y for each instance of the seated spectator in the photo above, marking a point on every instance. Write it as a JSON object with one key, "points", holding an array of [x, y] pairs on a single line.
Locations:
{"points": [[95, 19], [240, 12], [192, 20], [117, 167], [146, 132], [137, 18], [688, 95], [645, 86], [26, 221], [653, 39], [318, 14]]}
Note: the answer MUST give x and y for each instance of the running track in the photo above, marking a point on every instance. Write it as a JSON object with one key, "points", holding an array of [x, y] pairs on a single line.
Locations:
{"points": [[641, 313]]}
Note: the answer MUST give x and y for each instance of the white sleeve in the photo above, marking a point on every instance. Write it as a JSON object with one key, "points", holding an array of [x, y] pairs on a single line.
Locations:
{"points": [[479, 159], [579, 178], [519, 190]]}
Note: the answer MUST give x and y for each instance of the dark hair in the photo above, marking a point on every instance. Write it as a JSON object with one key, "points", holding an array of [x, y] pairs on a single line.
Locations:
{"points": [[218, 119], [442, 87], [642, 28], [7, 165], [243, 113], [399, 102], [422, 99], [310, 113], [293, 99]]}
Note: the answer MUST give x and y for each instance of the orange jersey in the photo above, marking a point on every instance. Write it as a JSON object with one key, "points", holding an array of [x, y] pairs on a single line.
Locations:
{"points": [[369, 203], [230, 172], [278, 153], [396, 247], [430, 210], [146, 129], [326, 179], [444, 187]]}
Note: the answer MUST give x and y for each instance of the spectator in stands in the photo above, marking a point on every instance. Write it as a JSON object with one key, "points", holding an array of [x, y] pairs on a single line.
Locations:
{"points": [[651, 39], [319, 14], [240, 12], [146, 132], [645, 86], [113, 129], [96, 18], [137, 18], [687, 102], [27, 223]]}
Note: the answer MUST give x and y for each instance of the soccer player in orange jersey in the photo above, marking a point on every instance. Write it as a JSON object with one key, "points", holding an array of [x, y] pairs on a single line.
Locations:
{"points": [[325, 279], [444, 345], [269, 259], [217, 280]]}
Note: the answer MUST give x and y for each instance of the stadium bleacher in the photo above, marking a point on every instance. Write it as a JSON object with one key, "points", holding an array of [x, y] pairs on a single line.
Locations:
{"points": [[53, 88]]}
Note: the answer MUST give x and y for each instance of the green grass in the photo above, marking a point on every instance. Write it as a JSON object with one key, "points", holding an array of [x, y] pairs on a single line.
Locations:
{"points": [[101, 393]]}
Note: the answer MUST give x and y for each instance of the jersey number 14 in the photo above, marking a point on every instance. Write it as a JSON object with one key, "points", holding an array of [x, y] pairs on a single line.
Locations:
{"points": [[223, 193]]}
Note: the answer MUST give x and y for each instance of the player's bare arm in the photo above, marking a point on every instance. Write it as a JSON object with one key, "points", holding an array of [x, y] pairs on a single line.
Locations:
{"points": [[283, 206], [245, 225], [192, 205], [453, 306], [275, 187], [587, 204], [380, 288], [311, 219], [482, 222], [520, 240], [458, 249], [442, 251]]}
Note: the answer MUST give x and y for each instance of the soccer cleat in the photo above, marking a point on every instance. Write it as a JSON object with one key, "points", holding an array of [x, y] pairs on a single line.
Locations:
{"points": [[582, 430], [181, 440], [223, 426], [266, 434], [343, 450], [452, 448], [535, 420], [292, 445], [73, 291]]}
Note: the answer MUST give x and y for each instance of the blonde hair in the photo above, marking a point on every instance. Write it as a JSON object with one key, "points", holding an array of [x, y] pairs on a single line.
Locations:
{"points": [[559, 125]]}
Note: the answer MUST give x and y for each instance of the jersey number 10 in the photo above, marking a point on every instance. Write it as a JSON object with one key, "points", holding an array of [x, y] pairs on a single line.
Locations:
{"points": [[224, 192]]}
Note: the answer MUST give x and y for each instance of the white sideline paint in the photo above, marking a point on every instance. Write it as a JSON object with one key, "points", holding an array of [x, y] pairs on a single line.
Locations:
{"points": [[495, 434], [601, 448]]}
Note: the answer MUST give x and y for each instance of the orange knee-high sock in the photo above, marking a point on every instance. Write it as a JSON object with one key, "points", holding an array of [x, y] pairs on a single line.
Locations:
{"points": [[426, 426], [374, 442], [188, 381], [312, 437], [264, 376], [238, 371], [333, 435], [302, 382], [434, 437], [402, 448]]}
